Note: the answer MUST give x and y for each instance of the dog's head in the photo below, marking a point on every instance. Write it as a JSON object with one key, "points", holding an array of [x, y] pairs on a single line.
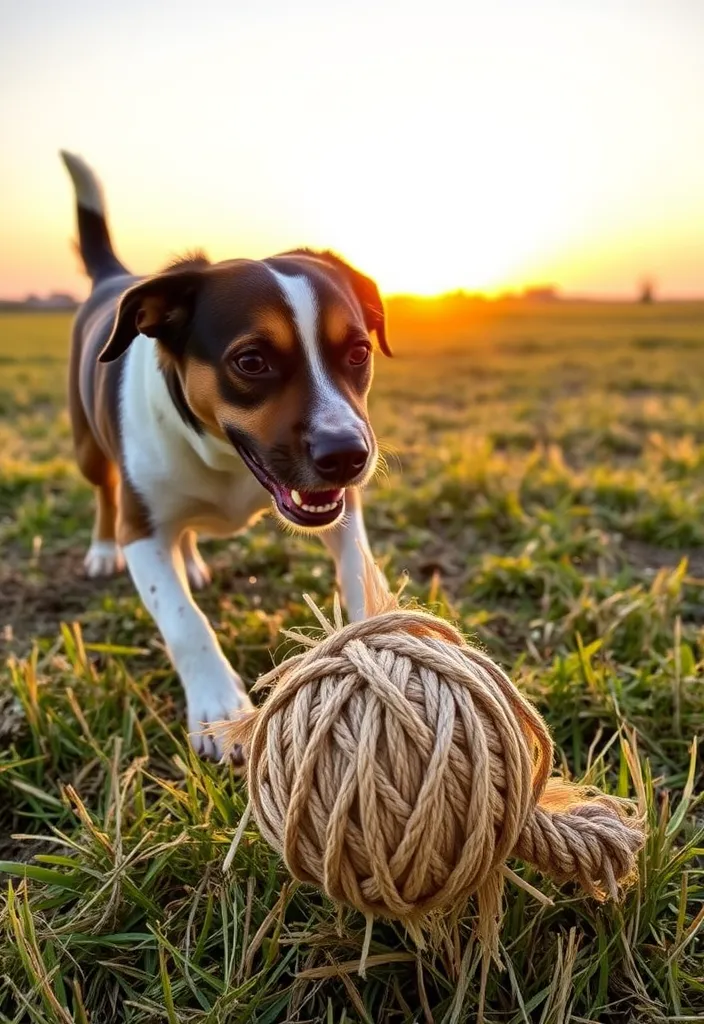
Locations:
{"points": [[275, 357]]}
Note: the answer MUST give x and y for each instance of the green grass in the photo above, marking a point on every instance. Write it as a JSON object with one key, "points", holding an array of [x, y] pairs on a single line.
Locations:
{"points": [[545, 489]]}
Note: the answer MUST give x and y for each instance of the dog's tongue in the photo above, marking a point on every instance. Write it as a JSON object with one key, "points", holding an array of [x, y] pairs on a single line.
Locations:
{"points": [[320, 497]]}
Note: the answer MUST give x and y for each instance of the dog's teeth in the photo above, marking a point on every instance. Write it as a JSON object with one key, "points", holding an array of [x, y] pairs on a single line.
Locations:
{"points": [[316, 509]]}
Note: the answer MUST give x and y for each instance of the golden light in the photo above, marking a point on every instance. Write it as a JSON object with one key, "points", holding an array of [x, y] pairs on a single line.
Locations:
{"points": [[461, 147]]}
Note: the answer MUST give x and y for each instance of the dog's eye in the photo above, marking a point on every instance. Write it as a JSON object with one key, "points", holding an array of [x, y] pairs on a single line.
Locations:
{"points": [[251, 363], [358, 354]]}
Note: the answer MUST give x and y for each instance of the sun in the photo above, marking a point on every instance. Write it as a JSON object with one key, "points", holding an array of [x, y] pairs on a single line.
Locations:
{"points": [[476, 235]]}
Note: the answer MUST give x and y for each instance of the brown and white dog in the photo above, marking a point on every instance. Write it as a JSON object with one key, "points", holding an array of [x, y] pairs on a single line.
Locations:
{"points": [[201, 396]]}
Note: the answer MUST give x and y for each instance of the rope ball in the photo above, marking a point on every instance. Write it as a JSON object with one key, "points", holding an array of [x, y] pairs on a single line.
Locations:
{"points": [[397, 768]]}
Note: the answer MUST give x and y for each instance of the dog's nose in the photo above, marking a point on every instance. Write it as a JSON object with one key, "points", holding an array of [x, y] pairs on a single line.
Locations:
{"points": [[339, 458]]}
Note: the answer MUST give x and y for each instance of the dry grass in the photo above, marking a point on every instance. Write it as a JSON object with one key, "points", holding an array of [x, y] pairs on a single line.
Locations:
{"points": [[545, 489]]}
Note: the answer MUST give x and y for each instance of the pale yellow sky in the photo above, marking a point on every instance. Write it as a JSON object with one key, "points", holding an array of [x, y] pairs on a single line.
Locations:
{"points": [[437, 145]]}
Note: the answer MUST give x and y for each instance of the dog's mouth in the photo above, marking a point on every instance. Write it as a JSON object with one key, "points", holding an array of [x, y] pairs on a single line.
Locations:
{"points": [[302, 508]]}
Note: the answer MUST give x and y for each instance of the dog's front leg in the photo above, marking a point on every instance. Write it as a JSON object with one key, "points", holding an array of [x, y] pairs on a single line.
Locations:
{"points": [[348, 544], [213, 690]]}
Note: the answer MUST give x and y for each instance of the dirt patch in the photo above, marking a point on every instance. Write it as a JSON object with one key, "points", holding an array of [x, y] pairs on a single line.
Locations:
{"points": [[36, 596], [649, 556]]}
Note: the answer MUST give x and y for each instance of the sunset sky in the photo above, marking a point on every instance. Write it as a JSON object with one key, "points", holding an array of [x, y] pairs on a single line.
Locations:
{"points": [[436, 145]]}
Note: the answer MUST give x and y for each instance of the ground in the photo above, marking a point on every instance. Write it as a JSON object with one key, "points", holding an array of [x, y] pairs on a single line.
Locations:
{"points": [[543, 488]]}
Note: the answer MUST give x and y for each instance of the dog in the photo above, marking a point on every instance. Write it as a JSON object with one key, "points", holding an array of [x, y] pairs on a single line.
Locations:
{"points": [[200, 397]]}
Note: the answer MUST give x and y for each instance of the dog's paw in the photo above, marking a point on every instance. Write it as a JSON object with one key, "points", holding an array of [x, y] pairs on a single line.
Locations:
{"points": [[211, 701], [197, 571], [104, 558]]}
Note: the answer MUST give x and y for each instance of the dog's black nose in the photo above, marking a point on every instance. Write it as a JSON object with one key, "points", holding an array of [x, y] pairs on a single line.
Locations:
{"points": [[339, 458]]}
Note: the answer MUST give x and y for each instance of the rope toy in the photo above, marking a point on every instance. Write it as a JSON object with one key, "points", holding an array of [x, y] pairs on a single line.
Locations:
{"points": [[397, 768]]}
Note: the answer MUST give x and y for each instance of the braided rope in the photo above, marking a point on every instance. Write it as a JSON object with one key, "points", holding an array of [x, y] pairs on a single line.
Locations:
{"points": [[397, 768]]}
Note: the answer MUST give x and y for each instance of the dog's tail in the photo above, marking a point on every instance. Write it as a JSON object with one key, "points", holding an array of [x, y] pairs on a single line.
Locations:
{"points": [[93, 234]]}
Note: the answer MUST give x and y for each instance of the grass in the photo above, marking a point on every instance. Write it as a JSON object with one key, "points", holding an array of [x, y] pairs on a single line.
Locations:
{"points": [[545, 489]]}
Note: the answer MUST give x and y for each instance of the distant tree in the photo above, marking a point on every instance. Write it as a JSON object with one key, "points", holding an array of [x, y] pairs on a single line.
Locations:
{"points": [[541, 293], [647, 292]]}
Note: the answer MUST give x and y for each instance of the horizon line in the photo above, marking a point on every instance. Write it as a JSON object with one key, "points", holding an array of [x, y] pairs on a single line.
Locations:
{"points": [[550, 294]]}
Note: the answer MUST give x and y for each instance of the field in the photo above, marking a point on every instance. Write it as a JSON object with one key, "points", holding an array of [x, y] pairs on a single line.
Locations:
{"points": [[544, 490]]}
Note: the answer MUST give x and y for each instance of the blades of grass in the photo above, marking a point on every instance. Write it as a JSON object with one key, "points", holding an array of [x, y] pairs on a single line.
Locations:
{"points": [[69, 644], [356, 999], [692, 930], [57, 858], [639, 677], [58, 838], [532, 1004], [273, 1013], [677, 679], [18, 935], [673, 966], [515, 987], [54, 970], [352, 966], [166, 988], [39, 874], [39, 794], [287, 889], [134, 940], [215, 793], [22, 926], [117, 649], [679, 815], [190, 922], [26, 1011], [21, 763], [237, 839], [205, 930], [602, 991], [230, 973], [75, 706], [207, 978], [466, 971], [172, 789], [83, 814], [81, 1016], [227, 956], [624, 777], [251, 882], [139, 897]]}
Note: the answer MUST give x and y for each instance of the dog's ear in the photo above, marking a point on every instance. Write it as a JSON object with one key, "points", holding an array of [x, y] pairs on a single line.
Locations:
{"points": [[367, 294], [372, 305], [160, 307]]}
